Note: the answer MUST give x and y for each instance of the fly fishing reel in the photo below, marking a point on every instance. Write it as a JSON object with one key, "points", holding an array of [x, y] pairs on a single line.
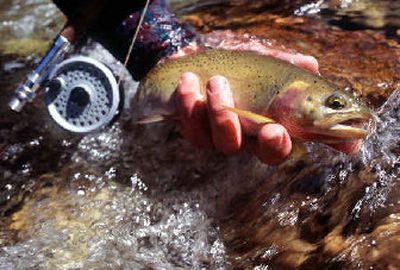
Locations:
{"points": [[82, 94]]}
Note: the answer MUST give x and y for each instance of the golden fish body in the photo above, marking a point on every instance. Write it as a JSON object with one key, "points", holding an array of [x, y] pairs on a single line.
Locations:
{"points": [[306, 104]]}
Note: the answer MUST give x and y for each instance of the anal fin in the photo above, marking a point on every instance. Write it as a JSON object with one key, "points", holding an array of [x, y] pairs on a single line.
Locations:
{"points": [[149, 119]]}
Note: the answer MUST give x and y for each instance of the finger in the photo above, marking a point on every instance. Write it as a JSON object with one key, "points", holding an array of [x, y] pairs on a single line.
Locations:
{"points": [[225, 125], [273, 144], [193, 111], [306, 62], [349, 148]]}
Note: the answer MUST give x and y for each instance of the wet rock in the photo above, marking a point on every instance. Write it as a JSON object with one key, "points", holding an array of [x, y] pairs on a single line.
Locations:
{"points": [[364, 61]]}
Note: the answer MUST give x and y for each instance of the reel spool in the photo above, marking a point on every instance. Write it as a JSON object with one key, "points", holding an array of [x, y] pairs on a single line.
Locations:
{"points": [[82, 94]]}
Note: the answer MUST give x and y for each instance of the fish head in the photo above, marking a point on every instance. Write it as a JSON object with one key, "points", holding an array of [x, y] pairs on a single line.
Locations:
{"points": [[319, 111]]}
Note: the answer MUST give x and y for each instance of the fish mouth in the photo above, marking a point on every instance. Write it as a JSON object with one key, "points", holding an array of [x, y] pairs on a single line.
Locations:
{"points": [[351, 128]]}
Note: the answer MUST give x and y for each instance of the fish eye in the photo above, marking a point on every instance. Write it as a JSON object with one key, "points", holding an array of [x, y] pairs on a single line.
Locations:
{"points": [[336, 101]]}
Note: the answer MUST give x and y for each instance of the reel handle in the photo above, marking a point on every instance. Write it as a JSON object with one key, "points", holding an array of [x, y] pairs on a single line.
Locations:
{"points": [[26, 91]]}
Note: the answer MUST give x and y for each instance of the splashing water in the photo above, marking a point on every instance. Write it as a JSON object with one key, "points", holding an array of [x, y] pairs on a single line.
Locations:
{"points": [[331, 210], [85, 217], [380, 154], [115, 227]]}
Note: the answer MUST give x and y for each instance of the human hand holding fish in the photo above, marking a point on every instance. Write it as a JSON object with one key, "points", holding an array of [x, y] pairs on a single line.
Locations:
{"points": [[208, 123], [204, 104], [205, 122]]}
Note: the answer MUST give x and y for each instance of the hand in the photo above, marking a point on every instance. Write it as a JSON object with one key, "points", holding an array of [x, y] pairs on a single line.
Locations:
{"points": [[206, 124]]}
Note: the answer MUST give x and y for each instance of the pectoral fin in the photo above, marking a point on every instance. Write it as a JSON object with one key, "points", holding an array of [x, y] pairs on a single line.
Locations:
{"points": [[257, 118]]}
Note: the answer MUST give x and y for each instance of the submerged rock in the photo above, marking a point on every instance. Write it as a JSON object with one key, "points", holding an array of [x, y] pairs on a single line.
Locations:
{"points": [[24, 47]]}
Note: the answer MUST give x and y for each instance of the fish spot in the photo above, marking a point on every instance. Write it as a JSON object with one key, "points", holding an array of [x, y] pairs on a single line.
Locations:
{"points": [[309, 98]]}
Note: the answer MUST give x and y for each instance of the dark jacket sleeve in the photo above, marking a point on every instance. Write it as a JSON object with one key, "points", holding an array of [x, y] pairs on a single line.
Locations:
{"points": [[113, 23], [87, 15]]}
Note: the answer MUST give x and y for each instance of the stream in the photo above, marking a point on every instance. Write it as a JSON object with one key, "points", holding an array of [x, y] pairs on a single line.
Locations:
{"points": [[143, 198]]}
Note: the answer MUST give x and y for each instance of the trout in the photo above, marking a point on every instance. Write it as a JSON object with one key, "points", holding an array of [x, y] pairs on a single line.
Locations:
{"points": [[265, 90]]}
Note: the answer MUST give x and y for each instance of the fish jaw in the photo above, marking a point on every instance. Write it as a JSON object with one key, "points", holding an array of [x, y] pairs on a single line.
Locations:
{"points": [[348, 132], [347, 125]]}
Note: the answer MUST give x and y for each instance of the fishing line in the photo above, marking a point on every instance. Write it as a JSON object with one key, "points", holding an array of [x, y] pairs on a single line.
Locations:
{"points": [[146, 6]]}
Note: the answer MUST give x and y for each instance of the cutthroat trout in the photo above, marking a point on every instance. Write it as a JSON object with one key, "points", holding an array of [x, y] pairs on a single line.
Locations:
{"points": [[308, 106]]}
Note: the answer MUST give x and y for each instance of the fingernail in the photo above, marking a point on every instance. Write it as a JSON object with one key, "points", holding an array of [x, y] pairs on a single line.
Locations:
{"points": [[216, 84], [187, 76], [276, 140], [274, 134], [189, 84]]}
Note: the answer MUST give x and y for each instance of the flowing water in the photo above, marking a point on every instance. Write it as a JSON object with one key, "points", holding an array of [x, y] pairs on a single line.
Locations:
{"points": [[142, 198]]}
